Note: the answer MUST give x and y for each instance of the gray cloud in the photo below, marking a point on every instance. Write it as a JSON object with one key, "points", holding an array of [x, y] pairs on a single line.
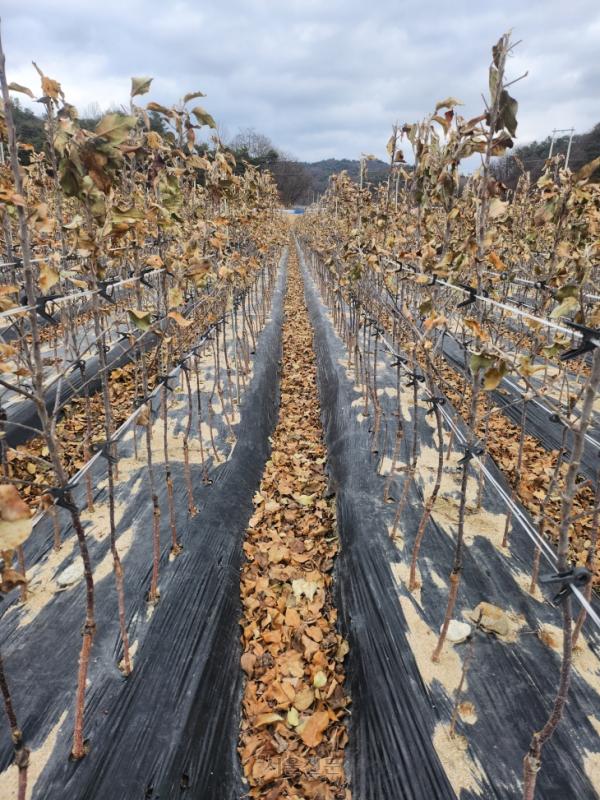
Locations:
{"points": [[322, 78]]}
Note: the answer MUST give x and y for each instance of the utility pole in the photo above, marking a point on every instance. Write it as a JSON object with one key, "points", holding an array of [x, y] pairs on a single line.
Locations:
{"points": [[571, 132], [569, 147]]}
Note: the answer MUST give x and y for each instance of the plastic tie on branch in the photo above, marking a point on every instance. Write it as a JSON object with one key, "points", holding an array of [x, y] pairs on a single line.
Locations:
{"points": [[103, 449], [103, 287], [143, 279], [399, 361], [414, 379], [433, 280], [123, 336], [59, 493], [40, 307], [470, 452], [590, 340], [575, 577], [472, 295], [163, 380], [197, 348], [435, 402], [79, 364], [554, 417], [139, 400]]}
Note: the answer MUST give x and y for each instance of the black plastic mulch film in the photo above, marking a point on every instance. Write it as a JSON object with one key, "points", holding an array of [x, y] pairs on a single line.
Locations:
{"points": [[394, 713], [170, 730], [23, 418]]}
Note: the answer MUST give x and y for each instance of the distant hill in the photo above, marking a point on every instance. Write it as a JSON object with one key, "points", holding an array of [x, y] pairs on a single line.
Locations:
{"points": [[320, 171], [585, 147]]}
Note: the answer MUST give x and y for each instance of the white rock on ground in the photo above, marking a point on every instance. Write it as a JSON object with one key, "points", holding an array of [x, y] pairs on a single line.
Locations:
{"points": [[458, 631], [71, 574]]}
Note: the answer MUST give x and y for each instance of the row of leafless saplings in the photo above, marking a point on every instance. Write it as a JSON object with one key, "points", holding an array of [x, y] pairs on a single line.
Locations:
{"points": [[225, 350], [364, 323]]}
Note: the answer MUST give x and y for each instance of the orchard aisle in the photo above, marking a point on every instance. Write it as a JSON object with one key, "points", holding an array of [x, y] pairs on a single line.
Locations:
{"points": [[293, 732]]}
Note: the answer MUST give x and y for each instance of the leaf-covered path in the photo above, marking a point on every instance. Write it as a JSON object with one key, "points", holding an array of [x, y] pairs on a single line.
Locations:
{"points": [[293, 732]]}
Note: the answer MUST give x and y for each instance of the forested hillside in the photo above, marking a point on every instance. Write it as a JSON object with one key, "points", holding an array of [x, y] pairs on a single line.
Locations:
{"points": [[531, 157], [321, 171]]}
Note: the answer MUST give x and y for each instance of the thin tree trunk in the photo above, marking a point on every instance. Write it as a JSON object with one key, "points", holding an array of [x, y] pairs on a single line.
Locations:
{"points": [[533, 758]]}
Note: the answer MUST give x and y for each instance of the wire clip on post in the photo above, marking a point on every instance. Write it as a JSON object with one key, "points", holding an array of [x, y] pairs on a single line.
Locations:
{"points": [[469, 453], [79, 364], [42, 311], [472, 295], [103, 448], [61, 495], [138, 400], [414, 379], [163, 380], [435, 401], [103, 287], [143, 278], [574, 577], [590, 340]]}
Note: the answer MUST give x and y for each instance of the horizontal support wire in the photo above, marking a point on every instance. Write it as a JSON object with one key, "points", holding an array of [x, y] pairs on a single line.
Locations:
{"points": [[516, 389], [547, 550], [76, 478], [68, 366], [69, 298], [496, 303], [532, 284]]}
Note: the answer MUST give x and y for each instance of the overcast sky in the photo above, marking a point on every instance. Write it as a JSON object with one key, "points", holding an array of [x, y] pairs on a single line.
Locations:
{"points": [[322, 78]]}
